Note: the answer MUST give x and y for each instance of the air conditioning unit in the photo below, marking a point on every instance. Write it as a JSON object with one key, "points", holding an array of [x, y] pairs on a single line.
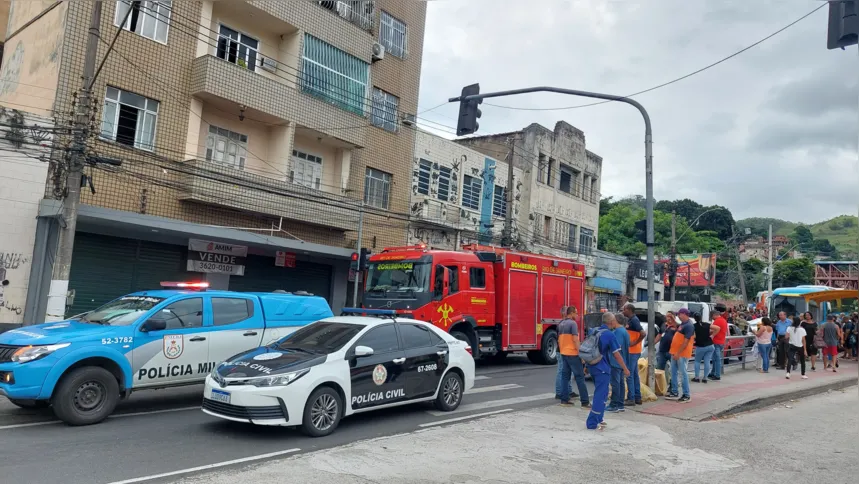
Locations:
{"points": [[409, 119], [378, 51], [269, 64]]}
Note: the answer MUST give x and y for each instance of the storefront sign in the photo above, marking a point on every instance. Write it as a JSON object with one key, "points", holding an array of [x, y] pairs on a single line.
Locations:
{"points": [[697, 270], [216, 257], [284, 259]]}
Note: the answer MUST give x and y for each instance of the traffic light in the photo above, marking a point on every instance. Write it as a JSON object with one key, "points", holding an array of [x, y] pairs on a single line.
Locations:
{"points": [[364, 259], [468, 111], [843, 24], [641, 231], [354, 264]]}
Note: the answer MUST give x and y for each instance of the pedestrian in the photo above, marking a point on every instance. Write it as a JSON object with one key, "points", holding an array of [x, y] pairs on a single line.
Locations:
{"points": [[810, 328], [703, 348], [601, 369], [849, 330], [663, 355], [781, 342], [636, 337], [681, 351], [571, 364], [831, 337], [796, 347], [763, 338], [617, 373], [719, 339]]}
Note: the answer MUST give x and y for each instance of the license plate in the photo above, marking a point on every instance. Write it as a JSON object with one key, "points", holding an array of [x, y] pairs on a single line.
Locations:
{"points": [[220, 396]]}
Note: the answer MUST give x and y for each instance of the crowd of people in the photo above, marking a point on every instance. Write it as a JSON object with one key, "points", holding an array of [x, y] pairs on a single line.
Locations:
{"points": [[610, 353]]}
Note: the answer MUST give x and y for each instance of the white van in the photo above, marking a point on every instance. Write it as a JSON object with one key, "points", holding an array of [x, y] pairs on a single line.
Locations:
{"points": [[699, 311]]}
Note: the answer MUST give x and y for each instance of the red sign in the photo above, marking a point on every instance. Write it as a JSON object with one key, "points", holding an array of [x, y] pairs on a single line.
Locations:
{"points": [[285, 259], [693, 270]]}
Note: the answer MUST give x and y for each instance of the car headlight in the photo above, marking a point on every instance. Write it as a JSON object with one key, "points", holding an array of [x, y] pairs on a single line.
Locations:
{"points": [[278, 380], [31, 353]]}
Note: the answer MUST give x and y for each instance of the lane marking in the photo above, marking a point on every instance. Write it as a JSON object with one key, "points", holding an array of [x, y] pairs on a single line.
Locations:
{"points": [[496, 388], [467, 417], [119, 415], [209, 466], [482, 377], [493, 403], [31, 424]]}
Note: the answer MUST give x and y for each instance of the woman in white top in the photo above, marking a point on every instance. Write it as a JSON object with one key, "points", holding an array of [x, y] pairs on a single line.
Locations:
{"points": [[796, 347], [764, 339]]}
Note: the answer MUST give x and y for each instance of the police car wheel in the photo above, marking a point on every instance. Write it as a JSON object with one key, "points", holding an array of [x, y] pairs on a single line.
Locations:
{"points": [[449, 393], [322, 412], [86, 396], [30, 403]]}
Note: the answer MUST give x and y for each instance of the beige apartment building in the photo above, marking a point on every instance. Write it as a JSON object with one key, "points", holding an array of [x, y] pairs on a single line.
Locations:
{"points": [[258, 128]]}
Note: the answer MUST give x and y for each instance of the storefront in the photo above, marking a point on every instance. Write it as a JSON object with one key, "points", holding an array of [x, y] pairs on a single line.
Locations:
{"points": [[604, 294]]}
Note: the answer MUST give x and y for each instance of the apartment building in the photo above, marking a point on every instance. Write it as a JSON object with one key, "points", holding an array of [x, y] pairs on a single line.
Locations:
{"points": [[459, 195], [255, 129]]}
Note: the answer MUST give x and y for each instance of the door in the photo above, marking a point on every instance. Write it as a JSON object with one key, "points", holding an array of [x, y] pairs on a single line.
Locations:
{"points": [[522, 309], [178, 354], [425, 362], [236, 327], [378, 379]]}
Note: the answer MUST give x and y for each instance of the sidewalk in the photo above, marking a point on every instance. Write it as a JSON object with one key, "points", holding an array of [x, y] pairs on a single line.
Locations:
{"points": [[742, 390]]}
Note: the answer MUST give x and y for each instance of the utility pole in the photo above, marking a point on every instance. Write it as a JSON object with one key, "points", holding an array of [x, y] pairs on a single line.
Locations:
{"points": [[507, 233], [358, 274], [739, 266], [770, 263], [59, 288], [672, 264]]}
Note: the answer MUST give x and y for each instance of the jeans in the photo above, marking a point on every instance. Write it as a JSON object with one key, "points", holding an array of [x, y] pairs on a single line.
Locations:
{"points": [[662, 359], [680, 375], [601, 382], [703, 354], [718, 355], [633, 381], [616, 387], [796, 354], [571, 366], [765, 355]]}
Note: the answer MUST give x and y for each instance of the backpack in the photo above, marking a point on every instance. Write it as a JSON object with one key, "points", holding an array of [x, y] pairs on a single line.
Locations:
{"points": [[819, 342], [589, 351]]}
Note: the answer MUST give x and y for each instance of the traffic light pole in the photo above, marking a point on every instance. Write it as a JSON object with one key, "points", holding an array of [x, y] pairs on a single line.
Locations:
{"points": [[360, 242], [648, 172]]}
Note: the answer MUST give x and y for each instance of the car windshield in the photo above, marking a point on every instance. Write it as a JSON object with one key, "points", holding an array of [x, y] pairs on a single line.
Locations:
{"points": [[398, 277], [320, 337], [122, 311]]}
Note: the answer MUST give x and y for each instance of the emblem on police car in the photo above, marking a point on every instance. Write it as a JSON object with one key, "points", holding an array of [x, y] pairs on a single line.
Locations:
{"points": [[173, 346], [380, 375], [267, 356]]}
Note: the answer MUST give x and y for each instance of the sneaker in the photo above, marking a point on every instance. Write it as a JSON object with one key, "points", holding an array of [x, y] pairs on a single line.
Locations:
{"points": [[715, 378], [586, 405], [638, 401], [574, 395], [787, 375], [696, 380], [615, 409], [684, 399], [672, 395], [703, 381], [566, 404], [804, 377], [629, 403]]}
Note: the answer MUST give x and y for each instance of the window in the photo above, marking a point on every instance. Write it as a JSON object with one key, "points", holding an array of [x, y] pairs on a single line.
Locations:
{"points": [[586, 241], [499, 202], [453, 278], [547, 228], [477, 277], [153, 18], [656, 295], [129, 119], [334, 76], [471, 192], [572, 241], [230, 310], [306, 170], [393, 35], [567, 180], [322, 336], [377, 188], [561, 236], [641, 295], [444, 184], [187, 313], [225, 146], [415, 336], [385, 107], [382, 339], [541, 168], [238, 48], [594, 191], [436, 339], [549, 165], [424, 171]]}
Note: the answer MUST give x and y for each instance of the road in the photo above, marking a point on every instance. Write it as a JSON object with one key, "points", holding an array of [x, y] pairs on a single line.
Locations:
{"points": [[164, 432]]}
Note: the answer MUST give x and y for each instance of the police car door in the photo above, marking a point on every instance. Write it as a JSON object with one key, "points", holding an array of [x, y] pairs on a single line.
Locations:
{"points": [[237, 326], [172, 355], [425, 362], [377, 379]]}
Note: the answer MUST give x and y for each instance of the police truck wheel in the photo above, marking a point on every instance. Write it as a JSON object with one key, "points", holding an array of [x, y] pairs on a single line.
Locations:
{"points": [[86, 396], [30, 403], [322, 412], [449, 393]]}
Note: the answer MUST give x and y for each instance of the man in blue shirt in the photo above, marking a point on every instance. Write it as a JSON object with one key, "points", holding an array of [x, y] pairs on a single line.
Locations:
{"points": [[781, 340], [601, 371], [637, 336], [617, 373]]}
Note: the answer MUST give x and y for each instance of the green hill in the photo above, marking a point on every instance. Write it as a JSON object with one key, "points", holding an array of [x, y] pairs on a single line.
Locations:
{"points": [[841, 231]]}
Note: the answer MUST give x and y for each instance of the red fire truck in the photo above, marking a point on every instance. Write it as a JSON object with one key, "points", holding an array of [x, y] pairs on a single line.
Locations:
{"points": [[500, 301]]}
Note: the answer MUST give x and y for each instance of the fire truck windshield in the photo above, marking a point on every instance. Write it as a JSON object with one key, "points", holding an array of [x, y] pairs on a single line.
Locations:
{"points": [[400, 278]]}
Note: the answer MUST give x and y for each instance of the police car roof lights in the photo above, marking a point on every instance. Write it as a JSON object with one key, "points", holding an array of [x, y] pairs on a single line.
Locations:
{"points": [[198, 286]]}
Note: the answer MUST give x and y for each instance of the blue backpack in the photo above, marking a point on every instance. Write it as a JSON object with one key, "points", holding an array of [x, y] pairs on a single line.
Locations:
{"points": [[589, 351]]}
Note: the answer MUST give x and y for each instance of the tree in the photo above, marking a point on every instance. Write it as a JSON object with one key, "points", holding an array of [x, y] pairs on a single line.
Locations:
{"points": [[802, 238], [716, 219], [824, 248], [688, 209], [793, 272], [606, 204], [753, 270]]}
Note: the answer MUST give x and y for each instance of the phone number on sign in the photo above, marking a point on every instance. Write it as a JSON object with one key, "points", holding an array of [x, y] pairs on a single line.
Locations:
{"points": [[214, 266]]}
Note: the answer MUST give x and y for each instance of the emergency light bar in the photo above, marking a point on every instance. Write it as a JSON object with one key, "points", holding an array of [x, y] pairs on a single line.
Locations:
{"points": [[200, 286]]}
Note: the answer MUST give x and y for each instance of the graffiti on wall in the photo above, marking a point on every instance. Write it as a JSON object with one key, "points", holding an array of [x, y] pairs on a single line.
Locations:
{"points": [[10, 261]]}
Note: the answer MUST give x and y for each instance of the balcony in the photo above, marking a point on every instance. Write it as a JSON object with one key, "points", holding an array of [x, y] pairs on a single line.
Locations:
{"points": [[359, 12], [225, 186]]}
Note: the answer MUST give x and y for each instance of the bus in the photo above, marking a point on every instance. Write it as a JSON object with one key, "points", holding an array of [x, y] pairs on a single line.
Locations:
{"points": [[792, 301]]}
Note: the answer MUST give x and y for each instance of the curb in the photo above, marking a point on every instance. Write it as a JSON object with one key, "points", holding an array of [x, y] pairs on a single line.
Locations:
{"points": [[758, 403]]}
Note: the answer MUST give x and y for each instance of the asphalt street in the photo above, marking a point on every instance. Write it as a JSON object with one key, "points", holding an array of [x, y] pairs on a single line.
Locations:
{"points": [[163, 431]]}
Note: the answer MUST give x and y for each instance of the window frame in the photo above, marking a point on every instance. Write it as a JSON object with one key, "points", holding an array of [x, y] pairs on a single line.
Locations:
{"points": [[386, 180], [381, 115], [473, 270], [312, 49], [241, 146], [155, 17], [499, 206], [184, 300], [471, 191], [403, 344], [115, 123], [447, 178], [586, 235], [316, 184], [242, 36], [249, 307], [360, 340], [389, 28], [424, 176]]}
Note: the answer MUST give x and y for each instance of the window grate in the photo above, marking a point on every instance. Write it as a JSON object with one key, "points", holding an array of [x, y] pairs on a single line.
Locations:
{"points": [[334, 76], [424, 172], [471, 192]]}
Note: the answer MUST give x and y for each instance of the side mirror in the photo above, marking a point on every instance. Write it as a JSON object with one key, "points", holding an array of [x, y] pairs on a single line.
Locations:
{"points": [[154, 324], [361, 351]]}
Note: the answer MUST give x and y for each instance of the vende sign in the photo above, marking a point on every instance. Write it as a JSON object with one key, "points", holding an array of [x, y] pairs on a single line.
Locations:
{"points": [[216, 257]]}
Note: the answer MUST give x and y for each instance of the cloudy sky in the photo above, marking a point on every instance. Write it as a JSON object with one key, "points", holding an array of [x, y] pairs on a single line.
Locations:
{"points": [[762, 133]]}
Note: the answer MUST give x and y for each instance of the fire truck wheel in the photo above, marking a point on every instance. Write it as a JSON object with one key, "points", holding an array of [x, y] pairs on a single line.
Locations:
{"points": [[460, 336], [548, 352]]}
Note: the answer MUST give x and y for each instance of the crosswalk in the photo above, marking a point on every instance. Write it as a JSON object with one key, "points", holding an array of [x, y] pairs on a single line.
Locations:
{"points": [[488, 399]]}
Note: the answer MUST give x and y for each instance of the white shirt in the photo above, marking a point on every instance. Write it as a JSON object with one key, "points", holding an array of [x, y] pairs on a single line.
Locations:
{"points": [[795, 335]]}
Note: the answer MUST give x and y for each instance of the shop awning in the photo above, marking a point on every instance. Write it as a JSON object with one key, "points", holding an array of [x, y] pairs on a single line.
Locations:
{"points": [[832, 295], [605, 284]]}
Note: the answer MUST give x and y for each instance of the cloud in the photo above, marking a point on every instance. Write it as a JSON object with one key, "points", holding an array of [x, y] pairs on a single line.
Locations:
{"points": [[767, 121]]}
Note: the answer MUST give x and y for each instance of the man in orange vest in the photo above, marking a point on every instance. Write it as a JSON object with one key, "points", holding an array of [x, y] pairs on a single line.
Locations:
{"points": [[569, 362]]}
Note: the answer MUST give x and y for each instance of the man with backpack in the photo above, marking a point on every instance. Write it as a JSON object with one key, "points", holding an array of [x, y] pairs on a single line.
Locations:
{"points": [[595, 351]]}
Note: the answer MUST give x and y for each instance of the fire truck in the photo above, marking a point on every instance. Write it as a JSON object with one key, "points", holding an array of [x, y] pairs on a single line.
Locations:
{"points": [[498, 300]]}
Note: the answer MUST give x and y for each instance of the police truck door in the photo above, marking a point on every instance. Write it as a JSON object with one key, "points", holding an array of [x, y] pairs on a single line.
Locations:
{"points": [[377, 379], [237, 326], [172, 355]]}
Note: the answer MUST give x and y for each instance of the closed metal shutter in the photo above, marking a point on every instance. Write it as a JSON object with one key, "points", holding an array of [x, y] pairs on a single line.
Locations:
{"points": [[261, 275]]}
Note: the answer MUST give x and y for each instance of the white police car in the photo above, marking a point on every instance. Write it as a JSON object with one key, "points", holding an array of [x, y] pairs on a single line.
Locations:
{"points": [[339, 366]]}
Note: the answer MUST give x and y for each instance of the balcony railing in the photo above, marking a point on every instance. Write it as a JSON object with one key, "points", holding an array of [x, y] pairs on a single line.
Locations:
{"points": [[359, 12]]}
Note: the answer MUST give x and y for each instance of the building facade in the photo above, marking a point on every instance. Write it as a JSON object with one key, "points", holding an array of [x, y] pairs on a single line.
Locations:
{"points": [[264, 126]]}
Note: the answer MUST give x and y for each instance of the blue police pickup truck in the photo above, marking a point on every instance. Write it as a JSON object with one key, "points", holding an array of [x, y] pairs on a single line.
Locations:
{"points": [[83, 366]]}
